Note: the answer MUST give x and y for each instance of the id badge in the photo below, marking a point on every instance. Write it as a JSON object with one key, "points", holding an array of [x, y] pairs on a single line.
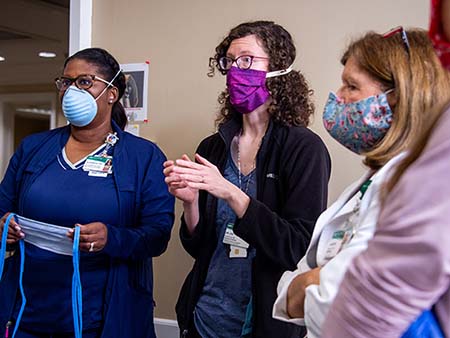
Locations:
{"points": [[237, 252], [98, 164], [335, 244], [232, 239]]}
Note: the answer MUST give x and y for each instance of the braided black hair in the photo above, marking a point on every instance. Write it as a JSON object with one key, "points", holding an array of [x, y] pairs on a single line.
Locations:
{"points": [[108, 67]]}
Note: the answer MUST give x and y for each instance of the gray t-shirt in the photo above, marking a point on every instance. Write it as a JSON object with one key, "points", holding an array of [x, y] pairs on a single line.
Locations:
{"points": [[221, 308]]}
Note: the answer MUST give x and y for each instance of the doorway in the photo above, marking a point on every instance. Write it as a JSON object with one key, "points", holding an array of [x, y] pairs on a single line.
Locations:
{"points": [[20, 116]]}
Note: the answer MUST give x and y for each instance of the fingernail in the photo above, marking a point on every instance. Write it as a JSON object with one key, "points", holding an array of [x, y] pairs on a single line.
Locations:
{"points": [[22, 234], [71, 230], [17, 228]]}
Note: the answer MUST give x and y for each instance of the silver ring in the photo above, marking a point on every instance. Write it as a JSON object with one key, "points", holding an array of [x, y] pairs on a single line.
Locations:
{"points": [[91, 248]]}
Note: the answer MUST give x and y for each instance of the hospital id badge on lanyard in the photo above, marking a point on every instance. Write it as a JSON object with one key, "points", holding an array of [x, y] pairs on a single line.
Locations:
{"points": [[343, 236], [101, 165], [339, 239], [238, 247], [98, 165]]}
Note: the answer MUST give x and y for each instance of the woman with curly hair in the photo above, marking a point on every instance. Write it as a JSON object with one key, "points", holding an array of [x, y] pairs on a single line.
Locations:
{"points": [[253, 194]]}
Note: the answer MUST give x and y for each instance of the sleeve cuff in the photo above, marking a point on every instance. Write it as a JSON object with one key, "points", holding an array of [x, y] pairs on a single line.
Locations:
{"points": [[279, 310]]}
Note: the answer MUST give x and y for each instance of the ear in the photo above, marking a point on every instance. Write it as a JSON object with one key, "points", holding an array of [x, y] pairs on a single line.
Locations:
{"points": [[392, 99], [113, 95]]}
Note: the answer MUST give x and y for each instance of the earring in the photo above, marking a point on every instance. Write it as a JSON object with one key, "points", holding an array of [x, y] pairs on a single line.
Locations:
{"points": [[110, 101]]}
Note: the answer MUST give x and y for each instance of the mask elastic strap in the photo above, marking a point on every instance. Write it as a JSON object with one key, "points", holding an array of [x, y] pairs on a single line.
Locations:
{"points": [[77, 299], [109, 84], [279, 72], [389, 91]]}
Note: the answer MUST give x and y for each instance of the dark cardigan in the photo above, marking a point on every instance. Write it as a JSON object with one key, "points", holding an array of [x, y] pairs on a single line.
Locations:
{"points": [[293, 169]]}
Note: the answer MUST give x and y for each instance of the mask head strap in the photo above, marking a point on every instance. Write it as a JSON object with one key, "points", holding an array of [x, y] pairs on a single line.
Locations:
{"points": [[109, 84]]}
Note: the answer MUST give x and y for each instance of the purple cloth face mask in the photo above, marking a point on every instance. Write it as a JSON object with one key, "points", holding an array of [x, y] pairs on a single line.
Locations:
{"points": [[247, 87]]}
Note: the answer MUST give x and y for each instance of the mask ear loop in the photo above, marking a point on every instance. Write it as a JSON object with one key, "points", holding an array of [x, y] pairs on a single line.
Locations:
{"points": [[109, 84], [279, 72]]}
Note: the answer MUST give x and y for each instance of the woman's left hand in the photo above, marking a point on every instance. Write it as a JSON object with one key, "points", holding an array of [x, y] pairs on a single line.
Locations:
{"points": [[93, 236], [204, 176], [297, 292]]}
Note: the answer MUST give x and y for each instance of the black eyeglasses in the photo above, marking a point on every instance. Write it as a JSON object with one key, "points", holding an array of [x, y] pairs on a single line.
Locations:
{"points": [[242, 62], [403, 35], [84, 81]]}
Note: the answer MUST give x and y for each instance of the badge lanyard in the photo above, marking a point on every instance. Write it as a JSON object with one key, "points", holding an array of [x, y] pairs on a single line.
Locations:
{"points": [[101, 165], [344, 235]]}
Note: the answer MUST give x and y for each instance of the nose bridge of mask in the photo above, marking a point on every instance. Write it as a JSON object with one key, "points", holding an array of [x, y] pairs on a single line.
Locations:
{"points": [[108, 85], [36, 230]]}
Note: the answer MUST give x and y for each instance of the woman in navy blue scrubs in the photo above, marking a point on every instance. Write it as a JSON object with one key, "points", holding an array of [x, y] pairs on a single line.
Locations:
{"points": [[93, 175]]}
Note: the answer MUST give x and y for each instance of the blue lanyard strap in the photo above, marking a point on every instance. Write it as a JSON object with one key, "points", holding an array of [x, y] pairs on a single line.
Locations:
{"points": [[3, 243], [77, 300], [22, 263], [77, 307]]}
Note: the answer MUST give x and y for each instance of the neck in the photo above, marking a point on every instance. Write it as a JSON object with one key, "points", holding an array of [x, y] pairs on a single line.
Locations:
{"points": [[95, 135], [255, 123]]}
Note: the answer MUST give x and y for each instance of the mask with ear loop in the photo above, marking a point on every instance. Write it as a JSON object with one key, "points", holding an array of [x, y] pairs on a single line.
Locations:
{"points": [[359, 125], [247, 87], [79, 106]]}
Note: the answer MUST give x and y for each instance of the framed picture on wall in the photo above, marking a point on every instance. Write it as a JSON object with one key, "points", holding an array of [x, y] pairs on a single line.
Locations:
{"points": [[135, 100]]}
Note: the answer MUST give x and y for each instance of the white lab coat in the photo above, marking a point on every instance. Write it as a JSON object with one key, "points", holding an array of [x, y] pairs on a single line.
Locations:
{"points": [[318, 298]]}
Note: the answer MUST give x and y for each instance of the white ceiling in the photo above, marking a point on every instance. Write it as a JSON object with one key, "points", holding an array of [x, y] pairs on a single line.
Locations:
{"points": [[26, 28]]}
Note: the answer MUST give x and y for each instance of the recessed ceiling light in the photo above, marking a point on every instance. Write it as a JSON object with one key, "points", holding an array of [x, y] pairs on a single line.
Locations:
{"points": [[2, 58], [34, 110], [47, 54]]}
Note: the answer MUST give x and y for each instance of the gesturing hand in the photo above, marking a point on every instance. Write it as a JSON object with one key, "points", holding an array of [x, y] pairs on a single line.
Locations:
{"points": [[93, 236], [205, 176], [14, 231], [178, 187]]}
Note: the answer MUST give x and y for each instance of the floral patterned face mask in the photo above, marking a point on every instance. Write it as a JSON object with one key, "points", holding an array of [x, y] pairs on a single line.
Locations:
{"points": [[358, 125]]}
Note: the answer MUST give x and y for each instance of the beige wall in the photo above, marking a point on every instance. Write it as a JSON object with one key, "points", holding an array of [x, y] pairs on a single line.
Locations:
{"points": [[178, 37]]}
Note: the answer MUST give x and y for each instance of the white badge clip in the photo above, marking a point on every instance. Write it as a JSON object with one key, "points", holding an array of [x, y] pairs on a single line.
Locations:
{"points": [[237, 252]]}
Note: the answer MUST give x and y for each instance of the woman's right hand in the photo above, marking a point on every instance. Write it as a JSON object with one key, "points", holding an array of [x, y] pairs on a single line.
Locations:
{"points": [[178, 186], [14, 231]]}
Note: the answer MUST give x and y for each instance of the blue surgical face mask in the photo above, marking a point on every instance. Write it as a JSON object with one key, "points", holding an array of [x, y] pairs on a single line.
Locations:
{"points": [[46, 236], [79, 106]]}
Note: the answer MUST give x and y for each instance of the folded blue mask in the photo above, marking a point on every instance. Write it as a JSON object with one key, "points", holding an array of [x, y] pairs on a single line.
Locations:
{"points": [[52, 238]]}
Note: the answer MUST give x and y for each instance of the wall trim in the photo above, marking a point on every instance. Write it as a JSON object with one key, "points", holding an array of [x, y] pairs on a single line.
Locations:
{"points": [[80, 25]]}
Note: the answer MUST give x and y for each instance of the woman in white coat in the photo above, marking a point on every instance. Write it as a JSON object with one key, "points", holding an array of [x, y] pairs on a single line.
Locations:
{"points": [[377, 113]]}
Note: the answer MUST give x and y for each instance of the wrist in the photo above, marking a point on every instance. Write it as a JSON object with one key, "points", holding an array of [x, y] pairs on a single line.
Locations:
{"points": [[191, 203], [238, 201]]}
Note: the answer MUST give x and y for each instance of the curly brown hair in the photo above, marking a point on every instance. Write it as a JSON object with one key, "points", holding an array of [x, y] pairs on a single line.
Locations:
{"points": [[291, 97]]}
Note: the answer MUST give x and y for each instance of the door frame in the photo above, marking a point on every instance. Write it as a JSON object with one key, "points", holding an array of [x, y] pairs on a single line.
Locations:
{"points": [[80, 25], [7, 120]]}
